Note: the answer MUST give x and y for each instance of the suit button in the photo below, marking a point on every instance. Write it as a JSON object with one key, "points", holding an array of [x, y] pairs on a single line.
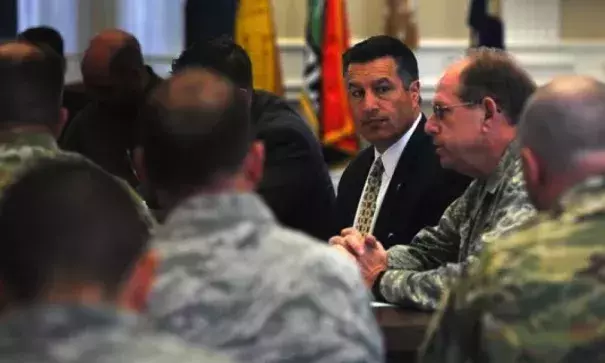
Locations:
{"points": [[390, 235]]}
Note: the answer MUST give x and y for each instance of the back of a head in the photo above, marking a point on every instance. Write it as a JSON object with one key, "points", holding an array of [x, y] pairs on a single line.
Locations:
{"points": [[67, 223], [198, 128], [381, 46], [221, 55], [113, 58], [494, 73], [32, 85], [44, 35], [563, 122]]}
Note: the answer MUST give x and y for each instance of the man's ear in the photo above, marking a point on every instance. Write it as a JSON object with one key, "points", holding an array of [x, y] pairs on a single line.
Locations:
{"points": [[135, 293], [414, 90], [491, 109], [532, 171], [62, 122], [254, 164]]}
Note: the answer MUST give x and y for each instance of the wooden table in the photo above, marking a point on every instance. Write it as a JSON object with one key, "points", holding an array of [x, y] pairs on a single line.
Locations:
{"points": [[403, 330]]}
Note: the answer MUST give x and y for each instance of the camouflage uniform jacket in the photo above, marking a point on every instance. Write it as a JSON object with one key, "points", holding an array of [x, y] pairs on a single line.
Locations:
{"points": [[80, 334], [418, 273], [537, 295], [232, 279], [21, 149]]}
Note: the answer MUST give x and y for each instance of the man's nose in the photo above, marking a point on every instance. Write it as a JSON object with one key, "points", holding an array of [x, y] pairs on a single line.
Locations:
{"points": [[370, 102], [431, 127]]}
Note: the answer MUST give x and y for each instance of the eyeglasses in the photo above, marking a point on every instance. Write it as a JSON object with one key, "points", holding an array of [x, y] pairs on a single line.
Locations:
{"points": [[439, 111]]}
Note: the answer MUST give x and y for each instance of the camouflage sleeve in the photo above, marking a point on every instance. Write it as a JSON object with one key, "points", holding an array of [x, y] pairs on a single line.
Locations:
{"points": [[454, 333], [404, 283], [418, 274], [354, 335]]}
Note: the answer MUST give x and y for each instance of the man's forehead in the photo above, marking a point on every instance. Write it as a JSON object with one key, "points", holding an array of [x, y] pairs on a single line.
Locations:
{"points": [[384, 67], [448, 85]]}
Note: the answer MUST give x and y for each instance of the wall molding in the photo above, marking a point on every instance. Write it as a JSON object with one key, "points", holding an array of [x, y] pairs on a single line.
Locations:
{"points": [[542, 60]]}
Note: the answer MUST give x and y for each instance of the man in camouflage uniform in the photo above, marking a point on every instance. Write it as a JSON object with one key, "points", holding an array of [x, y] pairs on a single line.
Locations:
{"points": [[73, 261], [476, 108], [31, 88], [230, 276], [538, 295]]}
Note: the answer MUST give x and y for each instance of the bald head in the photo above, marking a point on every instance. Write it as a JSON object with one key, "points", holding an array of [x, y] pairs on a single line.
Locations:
{"points": [[31, 84], [113, 65], [563, 122], [198, 127]]}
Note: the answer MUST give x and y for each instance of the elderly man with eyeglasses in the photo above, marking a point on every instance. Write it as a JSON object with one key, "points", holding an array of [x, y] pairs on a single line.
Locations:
{"points": [[476, 107]]}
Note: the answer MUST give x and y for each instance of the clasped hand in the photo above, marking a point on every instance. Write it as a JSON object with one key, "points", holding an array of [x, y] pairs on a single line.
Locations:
{"points": [[368, 252]]}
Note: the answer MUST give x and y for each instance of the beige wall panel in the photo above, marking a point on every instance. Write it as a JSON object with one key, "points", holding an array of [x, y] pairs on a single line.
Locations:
{"points": [[437, 18], [443, 19], [582, 19]]}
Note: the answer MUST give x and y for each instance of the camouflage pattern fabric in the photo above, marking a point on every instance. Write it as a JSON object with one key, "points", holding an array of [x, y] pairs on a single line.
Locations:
{"points": [[79, 334], [537, 295], [20, 150], [420, 272], [232, 279]]}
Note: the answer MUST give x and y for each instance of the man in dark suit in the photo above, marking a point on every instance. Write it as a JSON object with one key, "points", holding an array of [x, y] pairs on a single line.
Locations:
{"points": [[296, 183], [395, 187], [116, 77]]}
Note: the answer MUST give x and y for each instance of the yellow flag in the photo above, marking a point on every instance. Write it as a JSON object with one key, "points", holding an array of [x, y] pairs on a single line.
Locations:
{"points": [[255, 32]]}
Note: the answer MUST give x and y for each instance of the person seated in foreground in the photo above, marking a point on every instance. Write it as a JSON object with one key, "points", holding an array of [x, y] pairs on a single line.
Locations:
{"points": [[74, 269], [538, 295], [230, 276]]}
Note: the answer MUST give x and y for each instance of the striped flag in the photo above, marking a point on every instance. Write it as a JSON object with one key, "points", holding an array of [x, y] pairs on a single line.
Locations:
{"points": [[255, 32], [324, 97], [400, 22]]}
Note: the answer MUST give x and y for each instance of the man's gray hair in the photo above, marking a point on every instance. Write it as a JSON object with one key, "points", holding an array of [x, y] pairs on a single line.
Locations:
{"points": [[564, 121]]}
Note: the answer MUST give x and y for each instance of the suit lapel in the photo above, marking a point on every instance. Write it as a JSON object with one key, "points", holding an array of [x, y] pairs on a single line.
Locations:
{"points": [[409, 162]]}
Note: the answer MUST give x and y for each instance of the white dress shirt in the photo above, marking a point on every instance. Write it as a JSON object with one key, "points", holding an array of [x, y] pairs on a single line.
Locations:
{"points": [[390, 158]]}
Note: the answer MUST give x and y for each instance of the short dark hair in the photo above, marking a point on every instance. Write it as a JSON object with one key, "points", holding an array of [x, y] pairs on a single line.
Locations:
{"points": [[381, 46], [494, 73], [65, 220], [197, 126], [31, 89], [222, 55], [44, 35]]}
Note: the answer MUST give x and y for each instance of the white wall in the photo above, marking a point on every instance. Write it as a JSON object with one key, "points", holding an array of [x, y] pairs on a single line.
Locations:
{"points": [[158, 25]]}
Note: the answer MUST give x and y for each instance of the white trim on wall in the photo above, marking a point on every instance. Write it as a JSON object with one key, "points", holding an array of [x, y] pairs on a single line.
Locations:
{"points": [[543, 61]]}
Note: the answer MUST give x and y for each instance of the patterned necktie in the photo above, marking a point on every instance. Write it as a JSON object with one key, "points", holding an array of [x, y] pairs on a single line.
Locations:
{"points": [[368, 200]]}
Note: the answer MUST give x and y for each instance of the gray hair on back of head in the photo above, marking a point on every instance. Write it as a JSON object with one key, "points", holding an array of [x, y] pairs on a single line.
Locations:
{"points": [[564, 121]]}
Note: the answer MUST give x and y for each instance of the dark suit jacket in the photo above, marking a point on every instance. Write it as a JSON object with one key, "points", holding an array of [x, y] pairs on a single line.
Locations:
{"points": [[105, 134], [75, 99], [417, 195], [296, 182]]}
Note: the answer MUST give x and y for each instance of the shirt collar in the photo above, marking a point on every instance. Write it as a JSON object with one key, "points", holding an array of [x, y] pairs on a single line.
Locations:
{"points": [[15, 139], [585, 198], [510, 156], [54, 320], [391, 156], [220, 208]]}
